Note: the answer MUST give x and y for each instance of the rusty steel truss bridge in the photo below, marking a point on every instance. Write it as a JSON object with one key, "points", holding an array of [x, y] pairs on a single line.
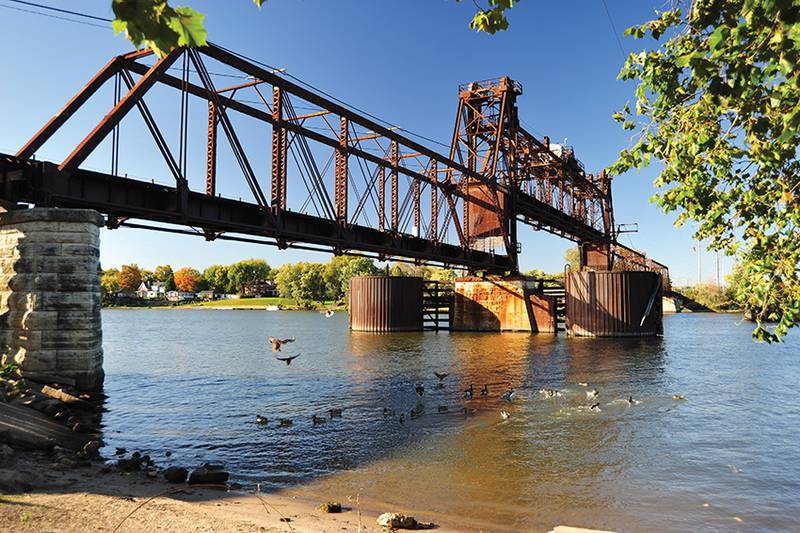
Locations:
{"points": [[359, 186]]}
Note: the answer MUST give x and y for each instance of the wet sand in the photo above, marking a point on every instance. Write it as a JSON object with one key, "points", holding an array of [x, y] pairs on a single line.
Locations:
{"points": [[86, 499]]}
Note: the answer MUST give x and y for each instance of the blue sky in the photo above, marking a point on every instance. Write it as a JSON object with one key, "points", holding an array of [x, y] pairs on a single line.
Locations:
{"points": [[399, 60]]}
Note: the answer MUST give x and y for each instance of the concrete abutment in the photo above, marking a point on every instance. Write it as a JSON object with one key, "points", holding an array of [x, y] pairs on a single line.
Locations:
{"points": [[50, 293]]}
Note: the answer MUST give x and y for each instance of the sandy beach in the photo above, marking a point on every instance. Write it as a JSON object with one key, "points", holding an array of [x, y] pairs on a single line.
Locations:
{"points": [[87, 499]]}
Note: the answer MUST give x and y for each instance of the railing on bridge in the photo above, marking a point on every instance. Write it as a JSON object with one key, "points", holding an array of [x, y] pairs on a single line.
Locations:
{"points": [[437, 304]]}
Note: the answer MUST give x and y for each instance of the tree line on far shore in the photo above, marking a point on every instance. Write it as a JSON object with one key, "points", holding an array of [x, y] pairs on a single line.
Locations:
{"points": [[303, 282]]}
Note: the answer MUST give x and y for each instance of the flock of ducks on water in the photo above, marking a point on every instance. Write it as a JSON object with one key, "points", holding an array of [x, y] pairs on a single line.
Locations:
{"points": [[468, 393]]}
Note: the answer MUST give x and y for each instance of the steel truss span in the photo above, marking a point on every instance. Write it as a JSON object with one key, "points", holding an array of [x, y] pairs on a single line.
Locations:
{"points": [[338, 180]]}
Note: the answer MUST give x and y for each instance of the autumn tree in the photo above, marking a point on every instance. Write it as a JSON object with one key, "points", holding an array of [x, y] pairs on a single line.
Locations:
{"points": [[188, 279], [109, 282], [130, 277]]}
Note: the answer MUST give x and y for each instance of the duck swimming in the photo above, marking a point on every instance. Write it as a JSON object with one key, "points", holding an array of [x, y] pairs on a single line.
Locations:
{"points": [[335, 413], [505, 415], [317, 420], [485, 391], [261, 420], [468, 392], [678, 397], [508, 396], [284, 422], [592, 394], [442, 409], [420, 390]]}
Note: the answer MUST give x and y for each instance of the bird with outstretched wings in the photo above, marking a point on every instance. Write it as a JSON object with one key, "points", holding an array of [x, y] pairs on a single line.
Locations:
{"points": [[277, 343], [288, 360]]}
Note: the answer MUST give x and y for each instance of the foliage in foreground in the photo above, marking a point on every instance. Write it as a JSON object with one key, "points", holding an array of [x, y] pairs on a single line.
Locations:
{"points": [[719, 104]]}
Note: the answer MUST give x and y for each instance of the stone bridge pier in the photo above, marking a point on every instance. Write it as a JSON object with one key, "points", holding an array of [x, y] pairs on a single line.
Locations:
{"points": [[50, 293]]}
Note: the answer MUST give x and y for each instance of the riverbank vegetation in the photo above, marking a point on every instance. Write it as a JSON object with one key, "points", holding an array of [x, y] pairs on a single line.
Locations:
{"points": [[302, 285]]}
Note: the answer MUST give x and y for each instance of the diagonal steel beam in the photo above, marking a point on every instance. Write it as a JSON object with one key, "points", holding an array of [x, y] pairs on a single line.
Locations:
{"points": [[120, 110]]}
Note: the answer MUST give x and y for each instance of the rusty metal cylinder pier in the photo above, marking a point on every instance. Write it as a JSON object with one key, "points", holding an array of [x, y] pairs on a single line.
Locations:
{"points": [[614, 303], [382, 304]]}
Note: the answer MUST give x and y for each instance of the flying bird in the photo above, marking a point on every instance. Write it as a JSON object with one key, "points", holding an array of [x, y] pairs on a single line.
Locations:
{"points": [[277, 343], [595, 406], [592, 394], [288, 360], [440, 376]]}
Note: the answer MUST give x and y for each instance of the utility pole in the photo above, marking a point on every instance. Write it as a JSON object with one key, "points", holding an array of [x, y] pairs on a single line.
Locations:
{"points": [[698, 247]]}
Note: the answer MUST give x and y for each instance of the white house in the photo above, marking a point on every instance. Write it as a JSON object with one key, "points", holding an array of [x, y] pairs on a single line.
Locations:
{"points": [[154, 290], [178, 296]]}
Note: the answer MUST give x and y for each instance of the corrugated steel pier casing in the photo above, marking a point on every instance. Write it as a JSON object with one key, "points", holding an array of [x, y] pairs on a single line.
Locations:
{"points": [[614, 303], [385, 303]]}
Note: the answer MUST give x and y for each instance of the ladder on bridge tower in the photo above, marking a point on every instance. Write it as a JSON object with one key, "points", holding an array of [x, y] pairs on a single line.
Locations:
{"points": [[555, 289], [437, 302]]}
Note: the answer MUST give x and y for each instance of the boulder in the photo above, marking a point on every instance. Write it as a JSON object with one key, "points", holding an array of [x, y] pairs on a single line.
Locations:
{"points": [[331, 507], [401, 521], [205, 476], [176, 474]]}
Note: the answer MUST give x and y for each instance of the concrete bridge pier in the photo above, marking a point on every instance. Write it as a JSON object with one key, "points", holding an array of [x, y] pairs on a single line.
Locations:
{"points": [[50, 293], [502, 304]]}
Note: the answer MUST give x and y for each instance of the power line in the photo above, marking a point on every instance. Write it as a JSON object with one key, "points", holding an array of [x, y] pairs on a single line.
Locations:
{"points": [[288, 74], [614, 30], [65, 11], [54, 16]]}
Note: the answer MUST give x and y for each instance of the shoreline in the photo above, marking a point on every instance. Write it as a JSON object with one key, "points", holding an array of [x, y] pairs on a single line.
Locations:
{"points": [[95, 498]]}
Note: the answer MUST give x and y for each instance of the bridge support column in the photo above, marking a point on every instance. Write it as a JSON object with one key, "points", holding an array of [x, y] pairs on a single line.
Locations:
{"points": [[50, 293], [383, 304], [510, 304], [621, 303]]}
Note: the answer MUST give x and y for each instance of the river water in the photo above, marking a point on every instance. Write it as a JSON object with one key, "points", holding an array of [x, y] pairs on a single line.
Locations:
{"points": [[726, 458]]}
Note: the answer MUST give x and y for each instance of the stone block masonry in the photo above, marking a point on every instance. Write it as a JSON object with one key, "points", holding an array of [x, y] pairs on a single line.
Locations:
{"points": [[50, 293]]}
